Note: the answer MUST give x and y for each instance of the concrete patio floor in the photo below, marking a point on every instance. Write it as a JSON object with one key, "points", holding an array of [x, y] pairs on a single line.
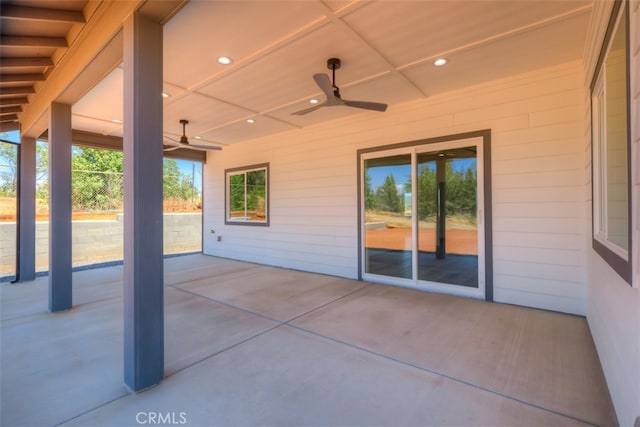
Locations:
{"points": [[248, 344]]}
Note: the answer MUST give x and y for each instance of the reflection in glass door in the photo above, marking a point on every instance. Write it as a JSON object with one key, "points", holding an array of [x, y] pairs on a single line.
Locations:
{"points": [[422, 208], [447, 220], [388, 241]]}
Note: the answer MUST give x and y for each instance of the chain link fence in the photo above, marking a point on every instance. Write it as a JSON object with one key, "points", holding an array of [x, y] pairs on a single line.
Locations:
{"points": [[102, 192], [98, 195], [97, 191]]}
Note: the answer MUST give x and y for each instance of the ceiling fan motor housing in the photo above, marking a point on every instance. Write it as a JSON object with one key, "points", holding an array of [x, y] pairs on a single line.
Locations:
{"points": [[334, 63], [183, 138]]}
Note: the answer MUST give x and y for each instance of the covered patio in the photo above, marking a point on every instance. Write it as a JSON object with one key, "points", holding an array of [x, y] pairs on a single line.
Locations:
{"points": [[249, 344]]}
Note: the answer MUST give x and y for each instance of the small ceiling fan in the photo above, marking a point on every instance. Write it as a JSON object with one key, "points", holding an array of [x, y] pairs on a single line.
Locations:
{"points": [[183, 142], [333, 92]]}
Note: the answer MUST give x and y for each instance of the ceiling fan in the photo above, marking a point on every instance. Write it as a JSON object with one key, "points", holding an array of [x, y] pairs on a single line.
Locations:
{"points": [[183, 142], [333, 92]]}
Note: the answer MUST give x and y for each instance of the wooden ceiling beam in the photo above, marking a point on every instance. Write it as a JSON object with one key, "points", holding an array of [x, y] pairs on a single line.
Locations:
{"points": [[12, 78], [109, 142], [32, 41], [8, 117], [14, 101], [41, 14], [88, 61], [9, 126], [11, 109], [41, 61], [21, 90]]}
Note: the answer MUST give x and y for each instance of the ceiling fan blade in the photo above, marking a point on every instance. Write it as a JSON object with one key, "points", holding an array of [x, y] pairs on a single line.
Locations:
{"points": [[333, 94], [175, 144], [170, 140], [310, 109], [203, 146], [375, 106], [324, 83]]}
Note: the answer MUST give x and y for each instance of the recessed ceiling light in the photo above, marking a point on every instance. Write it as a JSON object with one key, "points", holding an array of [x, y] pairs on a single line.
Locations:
{"points": [[250, 121], [439, 62], [116, 121], [166, 94], [225, 60], [313, 101], [197, 137]]}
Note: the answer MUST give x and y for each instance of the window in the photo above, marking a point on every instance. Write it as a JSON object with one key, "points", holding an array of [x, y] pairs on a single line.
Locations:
{"points": [[247, 195], [610, 111]]}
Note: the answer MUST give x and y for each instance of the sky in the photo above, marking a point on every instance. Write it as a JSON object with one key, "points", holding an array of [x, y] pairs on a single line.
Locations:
{"points": [[12, 136], [187, 167], [402, 173]]}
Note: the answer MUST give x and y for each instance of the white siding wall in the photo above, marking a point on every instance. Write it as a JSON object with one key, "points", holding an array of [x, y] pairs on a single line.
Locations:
{"points": [[538, 155], [613, 306]]}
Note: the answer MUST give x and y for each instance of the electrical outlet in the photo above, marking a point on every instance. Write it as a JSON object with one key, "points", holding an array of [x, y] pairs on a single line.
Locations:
{"points": [[219, 238]]}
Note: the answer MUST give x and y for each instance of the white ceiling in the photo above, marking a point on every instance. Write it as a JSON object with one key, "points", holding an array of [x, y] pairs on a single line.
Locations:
{"points": [[387, 50]]}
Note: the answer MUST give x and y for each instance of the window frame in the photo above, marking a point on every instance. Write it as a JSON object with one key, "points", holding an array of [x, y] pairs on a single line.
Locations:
{"points": [[244, 170], [619, 258]]}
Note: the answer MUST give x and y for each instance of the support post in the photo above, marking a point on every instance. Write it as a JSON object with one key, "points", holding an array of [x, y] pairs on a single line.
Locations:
{"points": [[60, 278], [143, 251], [441, 219], [26, 260]]}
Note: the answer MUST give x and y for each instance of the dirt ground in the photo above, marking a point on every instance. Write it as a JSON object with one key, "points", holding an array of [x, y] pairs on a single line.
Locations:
{"points": [[464, 242]]}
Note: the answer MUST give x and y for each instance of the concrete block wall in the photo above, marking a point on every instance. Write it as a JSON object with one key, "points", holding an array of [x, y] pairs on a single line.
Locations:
{"points": [[100, 240], [182, 232], [92, 242], [7, 248]]}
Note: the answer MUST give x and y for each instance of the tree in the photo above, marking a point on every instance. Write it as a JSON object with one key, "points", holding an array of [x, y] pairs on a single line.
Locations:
{"points": [[469, 192], [460, 190], [8, 169], [370, 200], [42, 172], [427, 197], [454, 180], [388, 197], [176, 185], [248, 193], [97, 180], [256, 192], [236, 189]]}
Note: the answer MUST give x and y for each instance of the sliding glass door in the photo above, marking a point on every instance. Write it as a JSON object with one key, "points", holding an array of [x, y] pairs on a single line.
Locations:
{"points": [[422, 217]]}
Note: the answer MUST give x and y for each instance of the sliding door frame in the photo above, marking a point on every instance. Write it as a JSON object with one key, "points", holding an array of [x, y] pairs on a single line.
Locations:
{"points": [[485, 216]]}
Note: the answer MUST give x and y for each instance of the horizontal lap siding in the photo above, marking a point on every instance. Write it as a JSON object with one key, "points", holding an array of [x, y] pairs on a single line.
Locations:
{"points": [[538, 200], [613, 305], [313, 224], [538, 156]]}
